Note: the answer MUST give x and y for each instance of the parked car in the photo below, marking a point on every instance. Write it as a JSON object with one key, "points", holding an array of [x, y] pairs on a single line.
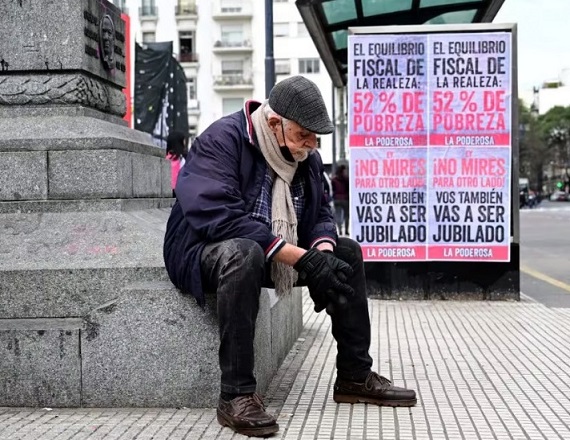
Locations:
{"points": [[559, 196]]}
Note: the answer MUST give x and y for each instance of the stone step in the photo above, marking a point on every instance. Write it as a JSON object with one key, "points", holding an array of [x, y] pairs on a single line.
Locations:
{"points": [[69, 263], [62, 157], [151, 346]]}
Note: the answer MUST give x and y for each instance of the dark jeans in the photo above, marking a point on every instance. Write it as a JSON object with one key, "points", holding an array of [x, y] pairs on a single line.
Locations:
{"points": [[236, 270]]}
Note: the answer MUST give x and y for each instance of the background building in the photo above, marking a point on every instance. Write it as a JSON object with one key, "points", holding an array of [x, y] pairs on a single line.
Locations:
{"points": [[221, 46], [551, 93], [555, 92]]}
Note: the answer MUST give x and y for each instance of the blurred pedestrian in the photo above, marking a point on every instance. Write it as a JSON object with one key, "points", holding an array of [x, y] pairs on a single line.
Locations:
{"points": [[340, 197]]}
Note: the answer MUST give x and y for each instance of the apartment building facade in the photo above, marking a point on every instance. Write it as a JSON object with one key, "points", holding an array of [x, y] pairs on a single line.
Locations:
{"points": [[221, 46]]}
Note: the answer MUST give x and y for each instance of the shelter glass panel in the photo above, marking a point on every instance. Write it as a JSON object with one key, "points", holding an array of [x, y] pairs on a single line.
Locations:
{"points": [[454, 17], [428, 3], [339, 11], [340, 39], [376, 7]]}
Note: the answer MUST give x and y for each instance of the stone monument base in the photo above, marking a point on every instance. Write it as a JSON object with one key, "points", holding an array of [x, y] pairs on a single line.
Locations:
{"points": [[88, 316], [76, 153]]}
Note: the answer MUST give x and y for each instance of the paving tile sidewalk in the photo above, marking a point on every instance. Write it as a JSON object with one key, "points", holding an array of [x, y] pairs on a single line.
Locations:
{"points": [[482, 370]]}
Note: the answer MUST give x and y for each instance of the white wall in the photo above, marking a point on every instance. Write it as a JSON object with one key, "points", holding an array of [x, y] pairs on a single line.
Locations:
{"points": [[549, 98]]}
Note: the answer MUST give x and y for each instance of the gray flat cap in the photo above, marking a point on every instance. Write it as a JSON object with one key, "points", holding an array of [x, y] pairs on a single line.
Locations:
{"points": [[300, 100]]}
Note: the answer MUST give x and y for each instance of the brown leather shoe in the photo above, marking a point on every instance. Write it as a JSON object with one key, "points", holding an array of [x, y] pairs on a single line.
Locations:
{"points": [[375, 389], [246, 415]]}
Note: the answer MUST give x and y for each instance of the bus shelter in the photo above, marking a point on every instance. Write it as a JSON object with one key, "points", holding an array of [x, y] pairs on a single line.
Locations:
{"points": [[427, 109]]}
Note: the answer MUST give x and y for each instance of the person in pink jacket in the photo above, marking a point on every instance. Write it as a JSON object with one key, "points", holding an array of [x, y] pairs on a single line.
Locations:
{"points": [[176, 151]]}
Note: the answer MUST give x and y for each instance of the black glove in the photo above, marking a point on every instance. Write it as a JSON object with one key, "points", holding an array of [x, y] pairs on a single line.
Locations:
{"points": [[325, 275], [336, 302]]}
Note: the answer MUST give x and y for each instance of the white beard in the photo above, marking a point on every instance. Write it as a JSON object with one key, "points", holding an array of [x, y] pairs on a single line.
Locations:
{"points": [[300, 156]]}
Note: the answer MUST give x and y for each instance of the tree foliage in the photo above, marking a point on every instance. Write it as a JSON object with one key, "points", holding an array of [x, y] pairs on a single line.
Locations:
{"points": [[532, 150], [555, 132], [544, 140]]}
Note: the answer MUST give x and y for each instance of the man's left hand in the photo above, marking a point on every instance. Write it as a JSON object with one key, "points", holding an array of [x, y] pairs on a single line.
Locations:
{"points": [[331, 300]]}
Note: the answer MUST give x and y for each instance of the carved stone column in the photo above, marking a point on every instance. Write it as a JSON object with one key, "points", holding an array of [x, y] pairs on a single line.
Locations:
{"points": [[80, 197], [62, 74]]}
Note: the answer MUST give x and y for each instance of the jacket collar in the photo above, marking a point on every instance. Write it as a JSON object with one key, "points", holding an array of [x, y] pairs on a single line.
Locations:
{"points": [[248, 108]]}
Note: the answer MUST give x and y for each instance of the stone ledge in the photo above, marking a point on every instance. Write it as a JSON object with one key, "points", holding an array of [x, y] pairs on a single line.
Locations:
{"points": [[78, 240], [92, 205], [18, 111], [150, 346], [162, 348], [72, 132]]}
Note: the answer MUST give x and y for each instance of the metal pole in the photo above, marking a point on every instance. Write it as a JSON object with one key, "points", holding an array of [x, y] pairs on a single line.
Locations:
{"points": [[342, 128], [333, 165], [269, 60]]}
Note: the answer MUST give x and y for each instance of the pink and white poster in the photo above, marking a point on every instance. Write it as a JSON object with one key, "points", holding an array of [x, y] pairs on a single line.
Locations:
{"points": [[430, 145]]}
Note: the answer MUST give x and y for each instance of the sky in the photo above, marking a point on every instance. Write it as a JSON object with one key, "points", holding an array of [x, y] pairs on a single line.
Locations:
{"points": [[543, 28]]}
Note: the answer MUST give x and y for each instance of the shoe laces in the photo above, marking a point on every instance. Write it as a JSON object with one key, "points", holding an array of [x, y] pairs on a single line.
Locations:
{"points": [[369, 383], [243, 402]]}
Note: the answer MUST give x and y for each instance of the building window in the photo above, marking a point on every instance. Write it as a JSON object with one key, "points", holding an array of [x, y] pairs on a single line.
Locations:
{"points": [[232, 35], [231, 105], [148, 37], [121, 4], [309, 65], [185, 7], [281, 29], [191, 87], [233, 67], [186, 40], [282, 67], [302, 30], [192, 132], [148, 8], [234, 6]]}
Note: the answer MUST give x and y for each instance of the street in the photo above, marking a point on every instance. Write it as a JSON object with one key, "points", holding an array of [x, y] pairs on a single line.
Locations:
{"points": [[545, 263]]}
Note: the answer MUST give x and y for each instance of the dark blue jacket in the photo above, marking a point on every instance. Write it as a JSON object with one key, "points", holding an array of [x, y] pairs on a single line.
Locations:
{"points": [[216, 192]]}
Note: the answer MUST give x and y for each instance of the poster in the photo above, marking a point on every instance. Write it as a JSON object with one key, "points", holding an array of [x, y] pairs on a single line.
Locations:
{"points": [[430, 145]]}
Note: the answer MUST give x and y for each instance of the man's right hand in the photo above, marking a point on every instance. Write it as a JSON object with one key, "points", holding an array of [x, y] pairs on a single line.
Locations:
{"points": [[324, 272]]}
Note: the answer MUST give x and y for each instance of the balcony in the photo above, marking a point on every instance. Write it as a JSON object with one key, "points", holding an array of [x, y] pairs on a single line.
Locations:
{"points": [[148, 12], [185, 8], [193, 105], [221, 46], [193, 111], [234, 81], [282, 69], [240, 11], [188, 58]]}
